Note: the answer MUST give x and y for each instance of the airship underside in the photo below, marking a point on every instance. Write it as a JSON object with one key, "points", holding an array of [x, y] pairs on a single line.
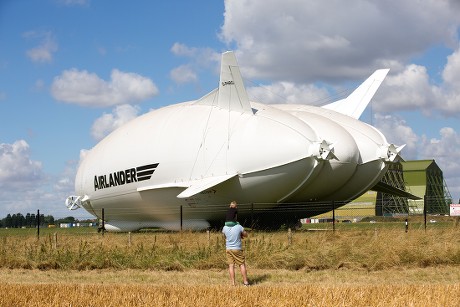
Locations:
{"points": [[202, 154]]}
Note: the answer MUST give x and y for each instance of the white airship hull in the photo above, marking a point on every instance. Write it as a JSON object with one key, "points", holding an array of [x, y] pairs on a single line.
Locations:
{"points": [[200, 155]]}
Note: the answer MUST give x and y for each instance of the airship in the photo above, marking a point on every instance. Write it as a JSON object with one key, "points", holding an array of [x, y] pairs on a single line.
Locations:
{"points": [[288, 161]]}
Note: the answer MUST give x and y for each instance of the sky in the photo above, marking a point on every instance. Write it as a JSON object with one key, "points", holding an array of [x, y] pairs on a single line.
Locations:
{"points": [[72, 71]]}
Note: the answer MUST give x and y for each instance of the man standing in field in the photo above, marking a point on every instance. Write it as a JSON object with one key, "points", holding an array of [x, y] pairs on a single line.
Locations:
{"points": [[234, 252]]}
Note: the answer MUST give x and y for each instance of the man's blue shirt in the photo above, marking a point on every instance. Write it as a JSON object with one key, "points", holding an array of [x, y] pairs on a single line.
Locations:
{"points": [[233, 236]]}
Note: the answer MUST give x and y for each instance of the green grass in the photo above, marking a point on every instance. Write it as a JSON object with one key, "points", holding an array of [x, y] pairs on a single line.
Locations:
{"points": [[362, 246]]}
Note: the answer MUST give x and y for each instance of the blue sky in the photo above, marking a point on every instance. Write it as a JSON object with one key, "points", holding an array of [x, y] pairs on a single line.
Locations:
{"points": [[71, 71]]}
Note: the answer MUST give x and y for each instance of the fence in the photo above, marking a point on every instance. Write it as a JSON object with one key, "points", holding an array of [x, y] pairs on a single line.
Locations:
{"points": [[303, 216]]}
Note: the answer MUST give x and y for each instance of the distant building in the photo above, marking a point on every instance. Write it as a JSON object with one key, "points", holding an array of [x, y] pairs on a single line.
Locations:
{"points": [[425, 178], [422, 178], [78, 224]]}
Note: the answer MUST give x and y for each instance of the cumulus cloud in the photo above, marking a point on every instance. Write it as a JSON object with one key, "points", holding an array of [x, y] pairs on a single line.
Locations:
{"points": [[300, 46], [183, 50], [451, 89], [43, 53], [451, 73], [200, 58], [74, 2], [87, 89], [445, 149], [399, 133], [22, 180], [288, 92], [409, 89], [111, 121], [183, 74], [65, 181], [412, 89], [19, 178], [16, 166], [305, 41], [25, 188]]}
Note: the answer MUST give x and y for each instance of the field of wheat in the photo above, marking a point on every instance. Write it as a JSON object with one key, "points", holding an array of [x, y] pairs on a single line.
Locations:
{"points": [[218, 295], [359, 267]]}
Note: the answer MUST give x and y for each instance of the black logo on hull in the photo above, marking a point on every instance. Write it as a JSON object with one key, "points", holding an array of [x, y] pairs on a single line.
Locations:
{"points": [[130, 175]]}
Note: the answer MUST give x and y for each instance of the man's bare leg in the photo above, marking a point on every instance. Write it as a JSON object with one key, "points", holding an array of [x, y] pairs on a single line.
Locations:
{"points": [[231, 272], [244, 273]]}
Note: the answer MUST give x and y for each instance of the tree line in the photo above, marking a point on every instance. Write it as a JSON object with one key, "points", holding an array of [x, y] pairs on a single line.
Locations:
{"points": [[30, 220]]}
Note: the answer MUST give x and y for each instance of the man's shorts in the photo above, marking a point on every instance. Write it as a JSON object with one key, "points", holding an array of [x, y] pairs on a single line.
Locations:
{"points": [[235, 256]]}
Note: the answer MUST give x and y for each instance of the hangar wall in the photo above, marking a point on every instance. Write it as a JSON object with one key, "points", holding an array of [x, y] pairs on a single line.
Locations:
{"points": [[422, 178]]}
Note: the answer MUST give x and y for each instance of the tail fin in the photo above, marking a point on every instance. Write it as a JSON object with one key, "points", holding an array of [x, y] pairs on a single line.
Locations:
{"points": [[232, 93], [357, 101]]}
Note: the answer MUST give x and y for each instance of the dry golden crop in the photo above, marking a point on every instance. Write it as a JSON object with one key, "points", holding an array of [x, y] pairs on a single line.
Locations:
{"points": [[361, 267], [70, 294]]}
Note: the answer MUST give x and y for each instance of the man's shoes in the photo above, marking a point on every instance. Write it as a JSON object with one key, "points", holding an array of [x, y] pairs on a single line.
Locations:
{"points": [[246, 284]]}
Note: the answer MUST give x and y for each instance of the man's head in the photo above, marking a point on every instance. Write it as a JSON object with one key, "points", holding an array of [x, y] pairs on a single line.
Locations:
{"points": [[233, 204]]}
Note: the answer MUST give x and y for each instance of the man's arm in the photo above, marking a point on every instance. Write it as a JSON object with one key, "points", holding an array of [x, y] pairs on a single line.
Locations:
{"points": [[244, 234]]}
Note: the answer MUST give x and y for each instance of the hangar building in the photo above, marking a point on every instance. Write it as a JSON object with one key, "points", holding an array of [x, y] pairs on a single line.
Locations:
{"points": [[425, 178], [422, 178]]}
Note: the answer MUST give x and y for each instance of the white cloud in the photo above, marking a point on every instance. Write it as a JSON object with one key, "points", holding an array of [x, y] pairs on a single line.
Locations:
{"points": [[451, 89], [200, 58], [305, 41], [398, 132], [183, 50], [87, 89], [183, 74], [451, 74], [25, 188], [109, 122], [43, 53], [412, 89], [19, 178], [300, 45], [16, 167], [74, 2], [446, 149], [288, 92]]}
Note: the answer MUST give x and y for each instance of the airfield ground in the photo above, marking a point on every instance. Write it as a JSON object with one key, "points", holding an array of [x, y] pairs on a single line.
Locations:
{"points": [[438, 286], [357, 265]]}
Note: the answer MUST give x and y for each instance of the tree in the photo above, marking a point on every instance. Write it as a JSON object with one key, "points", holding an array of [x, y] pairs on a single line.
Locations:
{"points": [[42, 220], [18, 220], [33, 220], [28, 220], [69, 219], [8, 221], [48, 220]]}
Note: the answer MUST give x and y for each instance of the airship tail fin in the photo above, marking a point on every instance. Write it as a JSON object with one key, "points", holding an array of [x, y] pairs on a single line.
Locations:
{"points": [[232, 93], [357, 101]]}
